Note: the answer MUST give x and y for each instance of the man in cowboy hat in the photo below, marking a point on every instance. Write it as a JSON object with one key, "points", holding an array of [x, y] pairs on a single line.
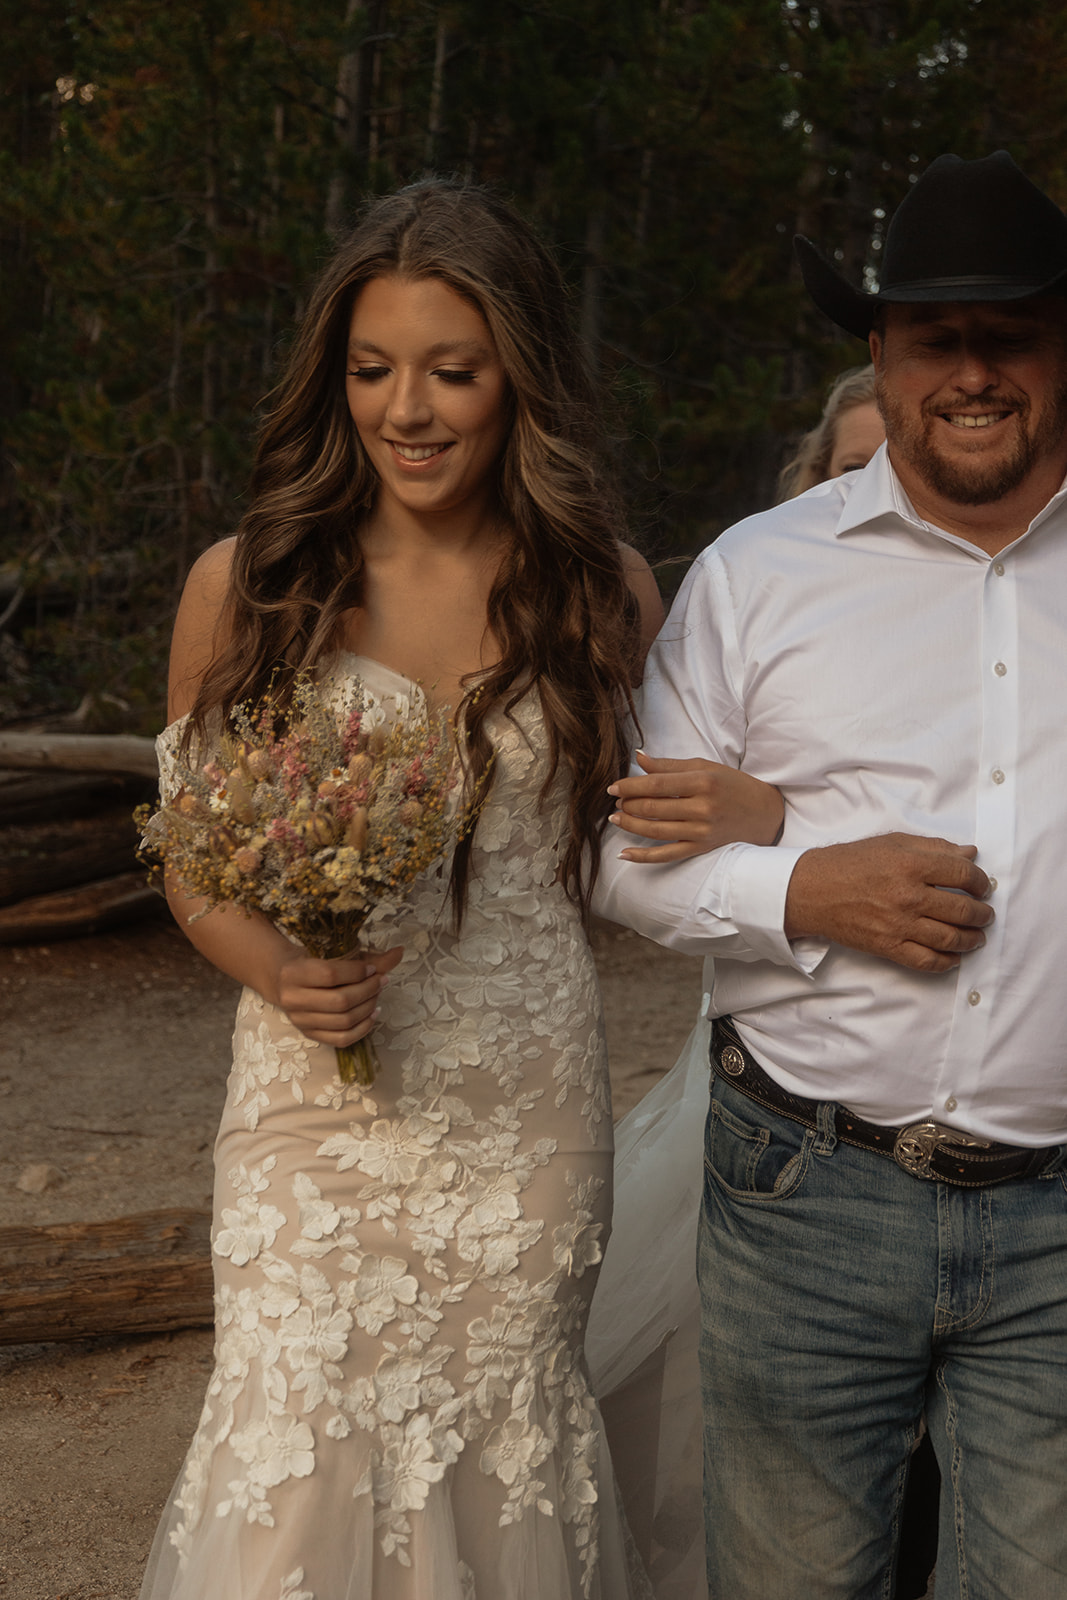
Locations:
{"points": [[884, 1227]]}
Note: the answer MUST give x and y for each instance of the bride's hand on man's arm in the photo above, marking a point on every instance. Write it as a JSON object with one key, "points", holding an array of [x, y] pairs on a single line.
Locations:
{"points": [[331, 1002], [693, 806]]}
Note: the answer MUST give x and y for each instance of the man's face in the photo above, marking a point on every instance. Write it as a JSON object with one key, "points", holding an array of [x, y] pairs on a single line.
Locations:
{"points": [[974, 397]]}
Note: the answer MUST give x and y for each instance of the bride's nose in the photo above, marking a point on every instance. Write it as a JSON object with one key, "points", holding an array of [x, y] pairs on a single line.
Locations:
{"points": [[409, 402]]}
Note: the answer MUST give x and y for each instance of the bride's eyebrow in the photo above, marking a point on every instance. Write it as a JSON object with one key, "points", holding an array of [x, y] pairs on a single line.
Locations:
{"points": [[466, 349]]}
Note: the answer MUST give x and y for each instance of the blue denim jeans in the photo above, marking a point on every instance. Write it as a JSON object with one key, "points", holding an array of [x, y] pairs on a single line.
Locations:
{"points": [[840, 1299]]}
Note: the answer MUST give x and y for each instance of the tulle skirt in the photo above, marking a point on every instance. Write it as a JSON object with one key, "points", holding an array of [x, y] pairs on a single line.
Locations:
{"points": [[642, 1338]]}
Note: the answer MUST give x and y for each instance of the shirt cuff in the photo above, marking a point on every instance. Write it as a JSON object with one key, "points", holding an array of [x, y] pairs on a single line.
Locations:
{"points": [[751, 894]]}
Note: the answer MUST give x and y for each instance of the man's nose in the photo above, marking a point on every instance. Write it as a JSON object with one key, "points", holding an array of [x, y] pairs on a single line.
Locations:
{"points": [[976, 369]]}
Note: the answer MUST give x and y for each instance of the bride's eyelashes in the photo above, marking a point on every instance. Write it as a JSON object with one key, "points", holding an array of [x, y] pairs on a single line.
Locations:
{"points": [[447, 374]]}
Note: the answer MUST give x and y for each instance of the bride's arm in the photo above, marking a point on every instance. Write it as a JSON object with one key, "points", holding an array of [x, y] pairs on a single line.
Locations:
{"points": [[694, 806], [333, 1002]]}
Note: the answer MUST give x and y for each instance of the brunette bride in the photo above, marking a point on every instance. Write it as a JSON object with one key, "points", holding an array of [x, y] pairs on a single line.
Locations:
{"points": [[400, 1407]]}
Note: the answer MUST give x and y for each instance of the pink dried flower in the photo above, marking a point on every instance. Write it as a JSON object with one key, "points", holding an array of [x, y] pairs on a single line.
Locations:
{"points": [[281, 831], [350, 735], [415, 778]]}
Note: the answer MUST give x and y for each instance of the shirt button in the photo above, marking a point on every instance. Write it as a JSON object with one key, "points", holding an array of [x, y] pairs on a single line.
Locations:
{"points": [[951, 1103], [998, 568], [973, 998], [996, 775], [1000, 669]]}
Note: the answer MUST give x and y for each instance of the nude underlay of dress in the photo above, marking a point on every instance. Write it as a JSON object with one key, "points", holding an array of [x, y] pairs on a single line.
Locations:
{"points": [[401, 1407]]}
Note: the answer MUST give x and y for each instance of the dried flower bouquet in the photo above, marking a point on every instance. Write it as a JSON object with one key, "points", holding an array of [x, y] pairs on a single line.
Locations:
{"points": [[312, 816]]}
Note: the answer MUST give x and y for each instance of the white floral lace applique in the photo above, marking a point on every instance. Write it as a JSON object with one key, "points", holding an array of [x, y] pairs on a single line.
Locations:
{"points": [[290, 1589]]}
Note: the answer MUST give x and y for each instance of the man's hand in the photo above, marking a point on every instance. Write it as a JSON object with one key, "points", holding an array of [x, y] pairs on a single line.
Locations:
{"points": [[891, 897]]}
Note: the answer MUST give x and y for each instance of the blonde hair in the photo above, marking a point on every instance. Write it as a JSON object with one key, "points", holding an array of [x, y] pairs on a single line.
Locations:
{"points": [[810, 462]]}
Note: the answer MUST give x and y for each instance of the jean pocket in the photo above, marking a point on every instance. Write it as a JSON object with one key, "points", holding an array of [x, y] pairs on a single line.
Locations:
{"points": [[756, 1161]]}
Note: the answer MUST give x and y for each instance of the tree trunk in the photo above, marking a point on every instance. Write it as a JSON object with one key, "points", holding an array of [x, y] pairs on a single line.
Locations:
{"points": [[75, 1280], [435, 120], [211, 365], [356, 78], [596, 227]]}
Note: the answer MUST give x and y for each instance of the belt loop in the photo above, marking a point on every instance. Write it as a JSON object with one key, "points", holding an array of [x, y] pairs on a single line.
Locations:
{"points": [[825, 1121]]}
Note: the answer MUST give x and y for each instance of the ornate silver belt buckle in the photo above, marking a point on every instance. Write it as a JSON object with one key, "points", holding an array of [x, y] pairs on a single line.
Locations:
{"points": [[915, 1146], [731, 1061]]}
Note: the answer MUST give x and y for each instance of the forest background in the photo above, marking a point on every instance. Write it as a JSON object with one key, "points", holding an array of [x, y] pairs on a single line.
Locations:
{"points": [[172, 173]]}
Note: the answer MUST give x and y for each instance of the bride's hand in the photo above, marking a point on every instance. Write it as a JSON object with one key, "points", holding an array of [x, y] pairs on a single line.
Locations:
{"points": [[334, 1002], [694, 806]]}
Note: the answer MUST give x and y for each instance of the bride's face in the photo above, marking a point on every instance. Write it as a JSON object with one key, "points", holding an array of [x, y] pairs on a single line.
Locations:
{"points": [[428, 395]]}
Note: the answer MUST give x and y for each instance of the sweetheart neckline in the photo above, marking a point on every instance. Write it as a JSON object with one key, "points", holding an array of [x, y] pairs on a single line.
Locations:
{"points": [[401, 677]]}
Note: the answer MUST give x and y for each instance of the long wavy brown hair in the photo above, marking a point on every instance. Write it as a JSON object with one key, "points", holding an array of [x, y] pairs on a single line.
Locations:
{"points": [[561, 609]]}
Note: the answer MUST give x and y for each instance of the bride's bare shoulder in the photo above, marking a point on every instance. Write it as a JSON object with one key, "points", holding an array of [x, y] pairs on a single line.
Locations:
{"points": [[197, 627]]}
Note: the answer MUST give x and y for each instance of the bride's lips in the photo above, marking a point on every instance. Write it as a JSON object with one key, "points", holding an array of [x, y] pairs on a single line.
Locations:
{"points": [[417, 457]]}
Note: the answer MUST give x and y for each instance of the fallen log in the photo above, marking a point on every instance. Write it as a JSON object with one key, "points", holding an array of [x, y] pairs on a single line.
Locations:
{"points": [[141, 1274], [62, 855], [45, 794], [79, 752], [74, 913]]}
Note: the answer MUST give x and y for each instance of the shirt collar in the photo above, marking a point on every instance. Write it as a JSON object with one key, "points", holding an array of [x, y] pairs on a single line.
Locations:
{"points": [[876, 492]]}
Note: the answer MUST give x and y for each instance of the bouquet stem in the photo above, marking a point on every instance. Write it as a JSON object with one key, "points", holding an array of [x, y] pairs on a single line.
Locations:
{"points": [[358, 1063]]}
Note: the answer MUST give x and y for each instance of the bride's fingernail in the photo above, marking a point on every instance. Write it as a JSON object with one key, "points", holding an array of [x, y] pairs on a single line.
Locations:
{"points": [[617, 818], [385, 982], [613, 788]]}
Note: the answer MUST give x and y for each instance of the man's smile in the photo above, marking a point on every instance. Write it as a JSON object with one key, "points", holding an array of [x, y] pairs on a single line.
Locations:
{"points": [[974, 419]]}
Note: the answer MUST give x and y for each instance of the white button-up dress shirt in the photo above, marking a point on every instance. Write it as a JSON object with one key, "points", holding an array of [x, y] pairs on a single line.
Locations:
{"points": [[888, 677]]}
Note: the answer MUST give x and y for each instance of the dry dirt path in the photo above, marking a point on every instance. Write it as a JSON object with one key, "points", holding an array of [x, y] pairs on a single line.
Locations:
{"points": [[113, 1061]]}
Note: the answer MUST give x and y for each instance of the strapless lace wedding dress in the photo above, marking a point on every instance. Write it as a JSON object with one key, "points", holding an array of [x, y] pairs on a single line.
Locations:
{"points": [[400, 1407]]}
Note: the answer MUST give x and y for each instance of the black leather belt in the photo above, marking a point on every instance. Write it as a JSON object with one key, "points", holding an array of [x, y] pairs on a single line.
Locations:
{"points": [[924, 1149]]}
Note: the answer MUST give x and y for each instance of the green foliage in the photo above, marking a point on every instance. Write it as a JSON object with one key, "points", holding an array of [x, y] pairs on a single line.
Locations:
{"points": [[170, 176]]}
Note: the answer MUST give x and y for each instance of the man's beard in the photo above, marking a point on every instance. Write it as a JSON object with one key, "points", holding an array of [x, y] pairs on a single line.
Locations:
{"points": [[971, 482]]}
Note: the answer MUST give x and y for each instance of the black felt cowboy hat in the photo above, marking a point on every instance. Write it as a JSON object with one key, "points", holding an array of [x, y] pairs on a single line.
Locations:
{"points": [[967, 230]]}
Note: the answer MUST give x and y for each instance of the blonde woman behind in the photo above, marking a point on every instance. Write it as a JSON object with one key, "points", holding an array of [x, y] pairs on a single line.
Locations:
{"points": [[844, 438]]}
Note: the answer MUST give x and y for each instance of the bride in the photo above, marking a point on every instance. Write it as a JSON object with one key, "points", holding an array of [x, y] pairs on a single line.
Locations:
{"points": [[400, 1407]]}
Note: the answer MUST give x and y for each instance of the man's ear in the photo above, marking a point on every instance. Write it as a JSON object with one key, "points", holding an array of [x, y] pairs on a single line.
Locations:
{"points": [[874, 339]]}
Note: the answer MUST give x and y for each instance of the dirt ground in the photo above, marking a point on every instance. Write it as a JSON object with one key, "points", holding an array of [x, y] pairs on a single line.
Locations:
{"points": [[113, 1057]]}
